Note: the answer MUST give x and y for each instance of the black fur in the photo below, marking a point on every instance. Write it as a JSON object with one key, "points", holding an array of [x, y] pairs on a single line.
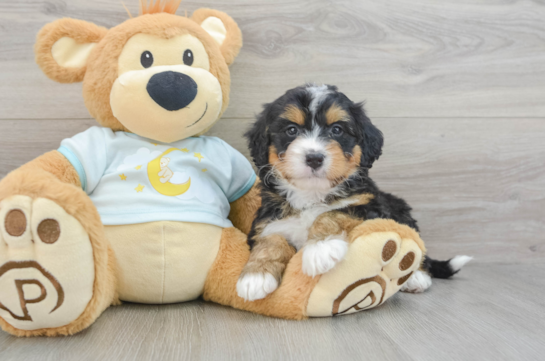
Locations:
{"points": [[438, 269], [372, 139], [269, 129]]}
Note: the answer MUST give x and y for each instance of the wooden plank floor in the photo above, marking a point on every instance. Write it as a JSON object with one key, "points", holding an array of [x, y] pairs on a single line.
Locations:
{"points": [[487, 313], [457, 87]]}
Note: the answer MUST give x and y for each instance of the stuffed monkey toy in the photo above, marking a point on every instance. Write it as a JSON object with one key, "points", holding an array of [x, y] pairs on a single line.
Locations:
{"points": [[143, 207]]}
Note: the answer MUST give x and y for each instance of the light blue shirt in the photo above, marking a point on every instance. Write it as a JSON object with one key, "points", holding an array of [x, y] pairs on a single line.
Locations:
{"points": [[131, 179]]}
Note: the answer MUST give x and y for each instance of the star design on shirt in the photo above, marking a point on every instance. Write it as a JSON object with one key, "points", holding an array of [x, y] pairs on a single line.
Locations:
{"points": [[123, 177], [198, 155], [155, 144], [138, 167], [204, 170], [139, 189], [185, 150]]}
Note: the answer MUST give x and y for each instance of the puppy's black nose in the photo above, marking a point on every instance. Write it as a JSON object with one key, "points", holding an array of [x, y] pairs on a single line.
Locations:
{"points": [[172, 90], [315, 160]]}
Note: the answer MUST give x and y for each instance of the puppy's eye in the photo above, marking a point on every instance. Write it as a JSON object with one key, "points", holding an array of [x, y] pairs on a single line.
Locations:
{"points": [[292, 131], [146, 59], [337, 130], [188, 57]]}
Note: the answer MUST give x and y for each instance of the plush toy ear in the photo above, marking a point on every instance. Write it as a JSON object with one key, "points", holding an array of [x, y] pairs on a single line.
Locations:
{"points": [[223, 29], [63, 47]]}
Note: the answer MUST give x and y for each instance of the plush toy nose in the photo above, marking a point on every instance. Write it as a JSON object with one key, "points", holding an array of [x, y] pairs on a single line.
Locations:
{"points": [[172, 90]]}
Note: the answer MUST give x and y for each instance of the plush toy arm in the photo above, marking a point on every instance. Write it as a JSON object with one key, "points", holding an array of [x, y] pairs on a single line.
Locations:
{"points": [[56, 164], [243, 210]]}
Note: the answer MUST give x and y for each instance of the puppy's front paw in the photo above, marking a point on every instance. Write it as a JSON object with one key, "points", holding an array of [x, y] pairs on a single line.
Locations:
{"points": [[255, 286], [417, 283], [322, 256]]}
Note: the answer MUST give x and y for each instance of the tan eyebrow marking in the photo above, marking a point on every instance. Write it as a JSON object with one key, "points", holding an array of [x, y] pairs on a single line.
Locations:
{"points": [[335, 113], [294, 114]]}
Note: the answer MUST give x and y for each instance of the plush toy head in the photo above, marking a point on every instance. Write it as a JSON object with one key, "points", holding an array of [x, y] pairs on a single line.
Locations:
{"points": [[158, 75]]}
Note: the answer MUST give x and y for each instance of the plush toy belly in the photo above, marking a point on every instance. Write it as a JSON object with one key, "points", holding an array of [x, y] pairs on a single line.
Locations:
{"points": [[163, 262]]}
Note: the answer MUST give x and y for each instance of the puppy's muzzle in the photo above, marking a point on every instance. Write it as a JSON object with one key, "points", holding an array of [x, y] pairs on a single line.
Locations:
{"points": [[315, 160], [172, 90]]}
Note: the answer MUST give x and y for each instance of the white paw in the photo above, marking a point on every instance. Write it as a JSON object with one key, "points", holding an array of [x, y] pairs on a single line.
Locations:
{"points": [[417, 283], [255, 286], [322, 256], [46, 264]]}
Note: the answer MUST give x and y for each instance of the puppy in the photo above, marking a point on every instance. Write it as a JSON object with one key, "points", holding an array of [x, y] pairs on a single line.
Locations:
{"points": [[314, 147]]}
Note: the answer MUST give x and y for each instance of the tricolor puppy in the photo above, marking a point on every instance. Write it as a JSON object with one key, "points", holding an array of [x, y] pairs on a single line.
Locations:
{"points": [[313, 147]]}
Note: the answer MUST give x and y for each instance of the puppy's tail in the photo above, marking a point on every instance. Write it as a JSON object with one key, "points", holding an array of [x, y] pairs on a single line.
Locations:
{"points": [[445, 269]]}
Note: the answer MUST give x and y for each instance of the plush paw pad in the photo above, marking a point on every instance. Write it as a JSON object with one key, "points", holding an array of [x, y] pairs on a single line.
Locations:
{"points": [[375, 267], [255, 286], [46, 264], [320, 257]]}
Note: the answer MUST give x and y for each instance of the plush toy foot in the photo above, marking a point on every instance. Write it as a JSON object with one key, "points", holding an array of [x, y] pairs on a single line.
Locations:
{"points": [[375, 267], [48, 270], [381, 257]]}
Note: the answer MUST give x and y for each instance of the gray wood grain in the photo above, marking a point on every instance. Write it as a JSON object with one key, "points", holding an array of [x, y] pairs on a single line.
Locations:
{"points": [[471, 317], [408, 59]]}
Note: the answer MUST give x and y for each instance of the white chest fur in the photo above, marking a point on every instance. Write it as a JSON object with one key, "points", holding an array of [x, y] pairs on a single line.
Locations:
{"points": [[295, 229]]}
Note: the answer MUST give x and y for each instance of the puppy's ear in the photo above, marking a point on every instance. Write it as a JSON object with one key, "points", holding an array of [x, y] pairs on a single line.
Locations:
{"points": [[223, 29], [63, 47], [258, 139], [371, 139]]}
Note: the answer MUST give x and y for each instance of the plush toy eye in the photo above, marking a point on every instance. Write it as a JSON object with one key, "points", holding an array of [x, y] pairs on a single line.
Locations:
{"points": [[337, 130], [146, 59], [188, 57], [292, 131]]}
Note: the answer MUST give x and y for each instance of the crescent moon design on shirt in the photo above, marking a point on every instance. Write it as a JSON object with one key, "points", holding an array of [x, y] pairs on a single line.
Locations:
{"points": [[167, 189]]}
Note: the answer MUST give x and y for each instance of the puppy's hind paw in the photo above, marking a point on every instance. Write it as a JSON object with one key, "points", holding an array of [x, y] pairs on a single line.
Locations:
{"points": [[417, 283], [255, 286]]}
